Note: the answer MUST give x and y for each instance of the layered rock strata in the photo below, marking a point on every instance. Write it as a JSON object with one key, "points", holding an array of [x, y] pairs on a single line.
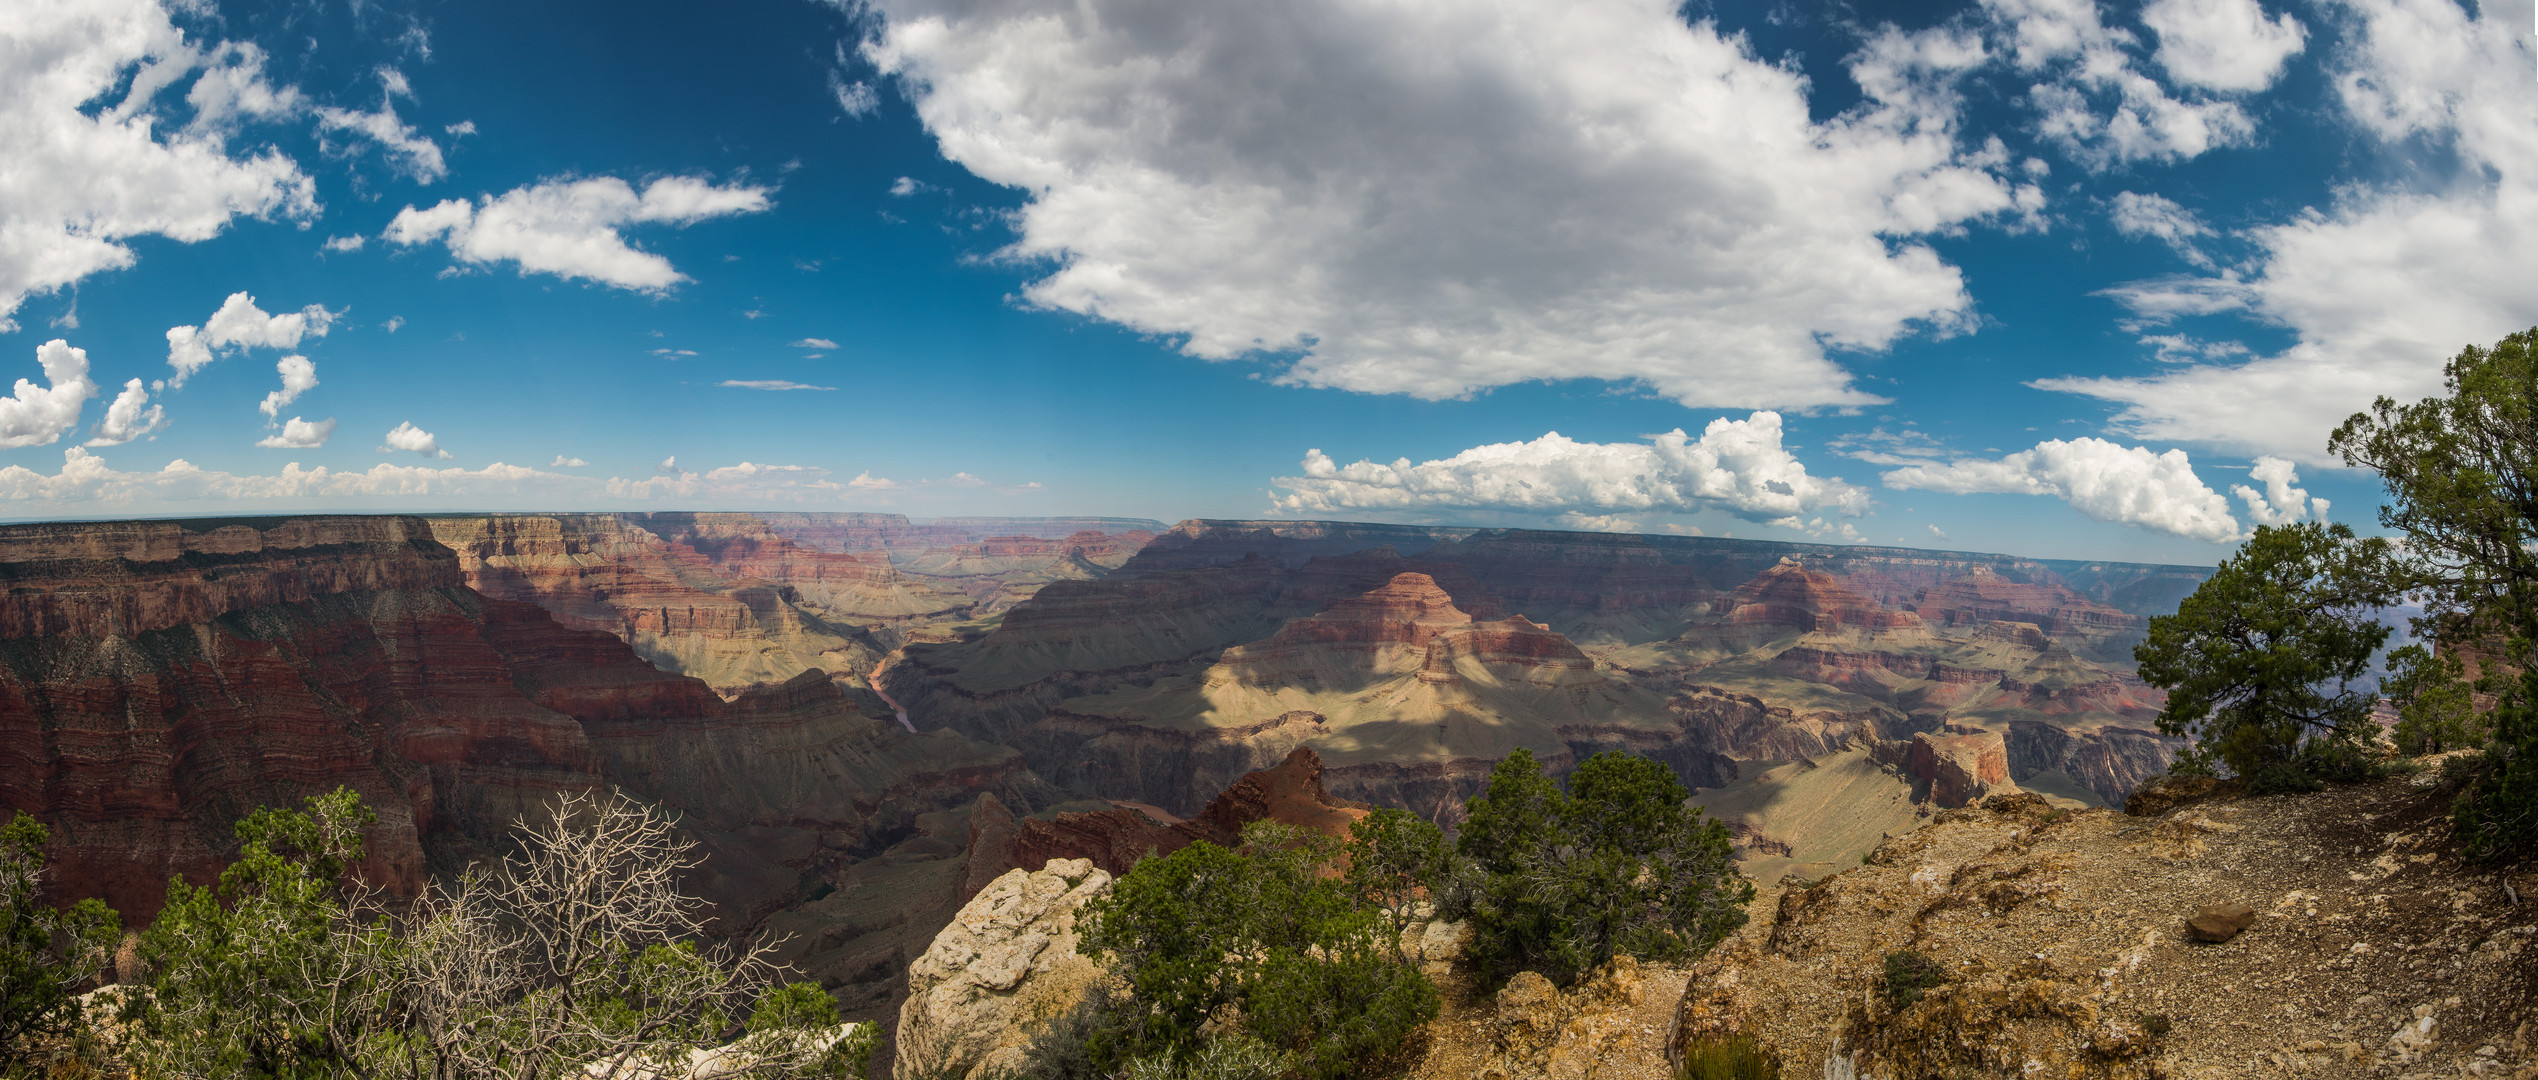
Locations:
{"points": [[162, 679]]}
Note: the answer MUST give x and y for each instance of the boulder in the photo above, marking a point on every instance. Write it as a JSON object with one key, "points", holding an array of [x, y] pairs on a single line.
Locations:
{"points": [[2217, 923], [1006, 963]]}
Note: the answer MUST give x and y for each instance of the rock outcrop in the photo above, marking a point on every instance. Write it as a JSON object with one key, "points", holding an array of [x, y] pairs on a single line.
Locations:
{"points": [[1006, 963], [2057, 944], [1290, 793], [1960, 769]]}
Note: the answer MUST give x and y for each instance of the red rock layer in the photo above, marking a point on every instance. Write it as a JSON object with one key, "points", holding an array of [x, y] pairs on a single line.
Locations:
{"points": [[344, 652], [1290, 792], [1982, 596], [1793, 594], [1959, 768]]}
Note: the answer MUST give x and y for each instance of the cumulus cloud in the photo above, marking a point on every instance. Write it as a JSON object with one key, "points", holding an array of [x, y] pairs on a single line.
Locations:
{"points": [[130, 416], [298, 434], [2095, 101], [240, 325], [1736, 465], [2105, 481], [771, 384], [2223, 44], [2282, 502], [406, 436], [1434, 198], [299, 376], [569, 228], [94, 162], [815, 343], [562, 462], [343, 243], [39, 415], [2390, 280]]}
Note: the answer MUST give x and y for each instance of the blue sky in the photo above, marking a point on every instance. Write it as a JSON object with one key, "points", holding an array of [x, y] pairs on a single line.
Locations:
{"points": [[2037, 276]]}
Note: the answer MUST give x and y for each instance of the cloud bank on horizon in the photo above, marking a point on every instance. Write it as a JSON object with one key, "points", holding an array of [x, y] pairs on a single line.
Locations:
{"points": [[2203, 231]]}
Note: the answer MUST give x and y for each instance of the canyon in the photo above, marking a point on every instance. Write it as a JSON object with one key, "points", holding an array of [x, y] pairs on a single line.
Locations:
{"points": [[862, 721], [1784, 682]]}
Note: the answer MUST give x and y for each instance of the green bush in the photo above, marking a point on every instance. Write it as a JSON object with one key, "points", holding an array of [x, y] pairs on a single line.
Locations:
{"points": [[1269, 938], [2436, 708], [1734, 1058], [1563, 881], [1908, 975], [2498, 813], [2263, 662], [46, 954]]}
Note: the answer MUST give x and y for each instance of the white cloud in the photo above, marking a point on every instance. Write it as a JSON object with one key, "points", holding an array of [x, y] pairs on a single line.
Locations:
{"points": [[906, 186], [2105, 481], [463, 127], [2096, 103], [298, 434], [126, 418], [1736, 465], [815, 343], [855, 99], [394, 322], [39, 415], [239, 325], [2223, 44], [562, 462], [92, 162], [1937, 532], [1603, 523], [343, 243], [669, 466], [2281, 503], [2160, 218], [299, 376], [406, 436], [771, 384], [1435, 198], [232, 89], [2389, 281], [569, 228], [412, 153], [87, 479]]}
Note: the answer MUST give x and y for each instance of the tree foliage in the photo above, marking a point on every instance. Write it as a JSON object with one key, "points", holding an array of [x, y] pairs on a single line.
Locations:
{"points": [[1618, 864], [577, 955], [2263, 663], [1394, 859], [2462, 477], [1270, 938], [2436, 708], [46, 954]]}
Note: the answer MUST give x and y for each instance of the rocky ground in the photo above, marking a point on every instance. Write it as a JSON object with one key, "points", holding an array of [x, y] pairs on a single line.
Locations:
{"points": [[2064, 949], [2059, 945]]}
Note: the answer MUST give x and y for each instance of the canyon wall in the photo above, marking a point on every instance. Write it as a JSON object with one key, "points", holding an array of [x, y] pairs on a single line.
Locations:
{"points": [[160, 679]]}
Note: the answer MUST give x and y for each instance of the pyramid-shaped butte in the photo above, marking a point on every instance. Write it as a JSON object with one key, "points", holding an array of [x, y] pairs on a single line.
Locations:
{"points": [[1792, 594]]}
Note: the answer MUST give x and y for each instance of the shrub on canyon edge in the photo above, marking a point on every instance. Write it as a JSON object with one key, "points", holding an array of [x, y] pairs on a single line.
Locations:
{"points": [[1267, 937], [1563, 881]]}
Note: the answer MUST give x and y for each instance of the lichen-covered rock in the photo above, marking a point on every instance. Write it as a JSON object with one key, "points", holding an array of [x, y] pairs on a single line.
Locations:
{"points": [[1543, 1032], [1006, 963]]}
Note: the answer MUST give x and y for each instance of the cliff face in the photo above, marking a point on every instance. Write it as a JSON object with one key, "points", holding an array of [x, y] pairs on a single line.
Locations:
{"points": [[1398, 653], [159, 680]]}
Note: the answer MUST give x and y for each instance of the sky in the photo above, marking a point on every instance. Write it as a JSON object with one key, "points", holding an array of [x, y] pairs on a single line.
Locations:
{"points": [[2044, 277]]}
